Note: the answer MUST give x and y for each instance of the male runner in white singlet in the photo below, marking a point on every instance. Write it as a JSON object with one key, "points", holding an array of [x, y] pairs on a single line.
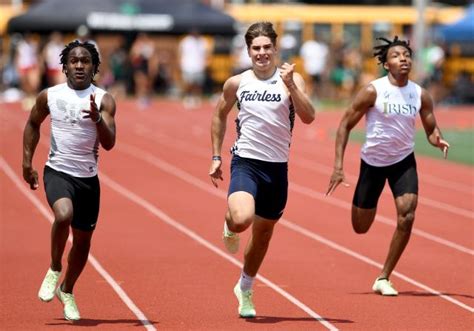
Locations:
{"points": [[390, 104], [267, 99], [82, 117]]}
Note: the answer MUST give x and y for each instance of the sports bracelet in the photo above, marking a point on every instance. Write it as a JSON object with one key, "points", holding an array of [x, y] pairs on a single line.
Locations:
{"points": [[216, 158], [100, 118]]}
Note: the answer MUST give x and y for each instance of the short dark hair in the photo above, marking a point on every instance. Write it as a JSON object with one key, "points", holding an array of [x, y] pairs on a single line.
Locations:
{"points": [[260, 29], [380, 51], [87, 45]]}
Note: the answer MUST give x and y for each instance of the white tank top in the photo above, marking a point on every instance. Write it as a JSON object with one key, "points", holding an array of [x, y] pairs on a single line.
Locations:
{"points": [[74, 140], [390, 124], [265, 119]]}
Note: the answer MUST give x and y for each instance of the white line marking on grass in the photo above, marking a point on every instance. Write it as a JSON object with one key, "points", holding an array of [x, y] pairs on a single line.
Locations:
{"points": [[175, 171], [22, 187], [193, 235]]}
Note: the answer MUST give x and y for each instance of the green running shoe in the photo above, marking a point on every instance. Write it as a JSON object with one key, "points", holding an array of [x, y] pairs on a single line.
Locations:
{"points": [[246, 307], [384, 287], [231, 240], [48, 286], [71, 313]]}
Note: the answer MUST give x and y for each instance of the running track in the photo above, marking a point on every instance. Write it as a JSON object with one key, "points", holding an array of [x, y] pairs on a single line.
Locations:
{"points": [[157, 261]]}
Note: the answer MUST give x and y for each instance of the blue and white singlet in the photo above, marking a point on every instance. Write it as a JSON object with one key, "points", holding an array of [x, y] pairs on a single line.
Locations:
{"points": [[265, 119]]}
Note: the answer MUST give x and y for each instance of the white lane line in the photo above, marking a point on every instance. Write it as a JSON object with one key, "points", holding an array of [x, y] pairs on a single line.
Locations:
{"points": [[162, 216], [447, 184], [367, 260], [327, 170], [22, 187], [207, 186], [330, 200], [382, 219], [301, 162], [314, 166]]}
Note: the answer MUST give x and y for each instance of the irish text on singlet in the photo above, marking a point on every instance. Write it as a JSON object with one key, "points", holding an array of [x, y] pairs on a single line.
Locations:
{"points": [[265, 119], [74, 141], [390, 124]]}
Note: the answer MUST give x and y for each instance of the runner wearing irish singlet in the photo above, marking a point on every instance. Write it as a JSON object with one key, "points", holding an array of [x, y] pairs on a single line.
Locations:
{"points": [[390, 105]]}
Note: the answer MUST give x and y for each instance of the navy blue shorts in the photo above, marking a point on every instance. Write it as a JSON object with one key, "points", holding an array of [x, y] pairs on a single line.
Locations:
{"points": [[267, 182], [83, 192], [402, 178]]}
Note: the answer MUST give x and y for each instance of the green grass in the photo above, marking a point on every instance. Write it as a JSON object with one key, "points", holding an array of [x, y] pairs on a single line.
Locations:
{"points": [[461, 143]]}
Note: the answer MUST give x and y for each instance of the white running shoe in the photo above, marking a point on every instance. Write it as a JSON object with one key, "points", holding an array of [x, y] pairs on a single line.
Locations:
{"points": [[231, 240], [384, 287], [71, 313], [246, 307], [48, 286]]}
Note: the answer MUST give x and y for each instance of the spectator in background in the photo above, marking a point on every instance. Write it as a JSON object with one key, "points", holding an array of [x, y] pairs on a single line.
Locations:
{"points": [[51, 54], [142, 60], [83, 35], [314, 55], [163, 80], [240, 55], [462, 91], [9, 80], [345, 70], [193, 58], [119, 66], [433, 58], [288, 47], [28, 68]]}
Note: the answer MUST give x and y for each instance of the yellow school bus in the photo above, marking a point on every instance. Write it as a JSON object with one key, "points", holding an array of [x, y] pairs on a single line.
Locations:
{"points": [[358, 25]]}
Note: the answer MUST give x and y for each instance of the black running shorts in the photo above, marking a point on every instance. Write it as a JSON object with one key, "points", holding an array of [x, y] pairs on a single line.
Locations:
{"points": [[402, 178], [83, 192]]}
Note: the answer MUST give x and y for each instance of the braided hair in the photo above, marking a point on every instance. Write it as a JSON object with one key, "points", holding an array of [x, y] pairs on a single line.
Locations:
{"points": [[381, 51], [87, 45]]}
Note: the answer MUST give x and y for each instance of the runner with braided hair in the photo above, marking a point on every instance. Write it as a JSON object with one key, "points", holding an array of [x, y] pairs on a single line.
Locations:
{"points": [[390, 105]]}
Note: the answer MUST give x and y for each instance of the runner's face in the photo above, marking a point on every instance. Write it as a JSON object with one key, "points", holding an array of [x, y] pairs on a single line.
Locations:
{"points": [[398, 60], [79, 68], [262, 52]]}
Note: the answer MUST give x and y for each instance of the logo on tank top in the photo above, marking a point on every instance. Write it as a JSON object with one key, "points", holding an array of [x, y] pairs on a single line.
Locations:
{"points": [[398, 109], [256, 96], [72, 112]]}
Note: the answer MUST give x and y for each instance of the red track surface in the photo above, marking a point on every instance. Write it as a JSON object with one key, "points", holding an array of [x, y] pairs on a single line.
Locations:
{"points": [[158, 237]]}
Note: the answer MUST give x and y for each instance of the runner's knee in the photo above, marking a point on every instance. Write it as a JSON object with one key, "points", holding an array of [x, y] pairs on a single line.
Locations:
{"points": [[362, 219], [405, 222], [63, 216], [241, 220], [63, 211]]}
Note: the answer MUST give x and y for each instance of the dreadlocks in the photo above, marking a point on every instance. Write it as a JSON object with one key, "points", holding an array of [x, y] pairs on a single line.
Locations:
{"points": [[382, 50], [87, 45]]}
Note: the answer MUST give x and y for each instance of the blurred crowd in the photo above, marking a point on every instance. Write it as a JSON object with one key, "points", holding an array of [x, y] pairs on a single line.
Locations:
{"points": [[138, 66]]}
